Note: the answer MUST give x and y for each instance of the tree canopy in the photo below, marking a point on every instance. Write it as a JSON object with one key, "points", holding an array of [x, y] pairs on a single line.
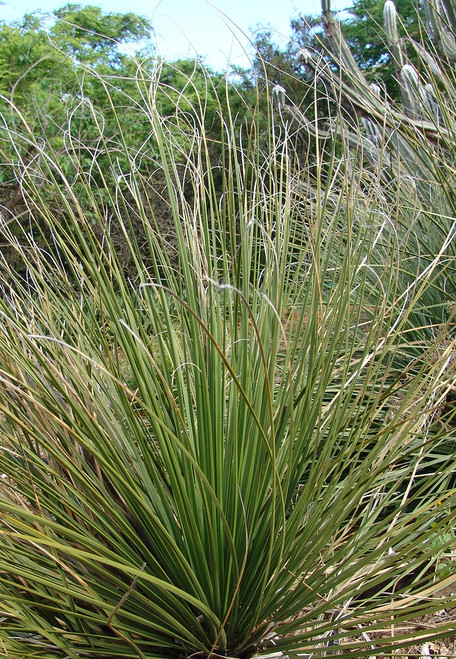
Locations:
{"points": [[92, 36]]}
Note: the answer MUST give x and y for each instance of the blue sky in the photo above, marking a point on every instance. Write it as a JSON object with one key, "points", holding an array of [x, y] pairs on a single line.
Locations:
{"points": [[189, 27]]}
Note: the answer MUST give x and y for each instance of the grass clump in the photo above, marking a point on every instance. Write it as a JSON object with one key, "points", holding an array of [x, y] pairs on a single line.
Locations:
{"points": [[233, 452]]}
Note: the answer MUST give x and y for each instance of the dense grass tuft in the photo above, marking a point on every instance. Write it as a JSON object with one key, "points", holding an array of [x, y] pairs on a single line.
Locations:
{"points": [[245, 444]]}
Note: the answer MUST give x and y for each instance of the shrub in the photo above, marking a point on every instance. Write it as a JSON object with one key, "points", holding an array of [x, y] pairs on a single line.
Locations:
{"points": [[218, 457]]}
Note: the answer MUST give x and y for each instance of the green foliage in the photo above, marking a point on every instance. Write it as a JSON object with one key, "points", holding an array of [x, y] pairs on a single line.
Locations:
{"points": [[28, 64], [218, 456], [45, 68], [364, 32], [286, 67], [278, 67], [59, 71], [93, 37], [233, 440], [32, 56], [413, 141]]}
